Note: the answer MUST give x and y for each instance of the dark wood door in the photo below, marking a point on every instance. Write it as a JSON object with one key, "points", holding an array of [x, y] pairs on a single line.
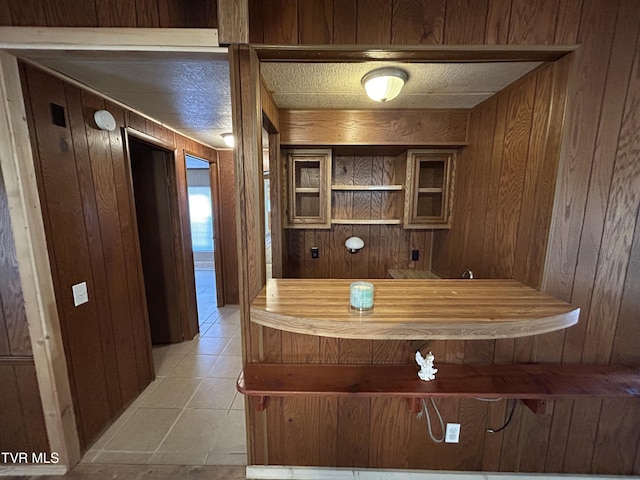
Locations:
{"points": [[155, 194]]}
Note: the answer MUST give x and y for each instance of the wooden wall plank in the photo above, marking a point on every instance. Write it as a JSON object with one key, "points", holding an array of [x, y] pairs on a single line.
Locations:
{"points": [[582, 435], [256, 26], [70, 13], [596, 36], [373, 25], [233, 21], [111, 220], [390, 420], [28, 13], [345, 16], [315, 21], [92, 222], [627, 337], [498, 14], [228, 221], [118, 13], [465, 22], [31, 408], [147, 13], [537, 176], [5, 13], [622, 208], [371, 127], [533, 23], [516, 144], [568, 22], [13, 434], [353, 432], [614, 438], [418, 22], [280, 22]]}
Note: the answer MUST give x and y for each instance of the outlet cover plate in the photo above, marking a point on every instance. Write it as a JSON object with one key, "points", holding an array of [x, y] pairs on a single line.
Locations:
{"points": [[453, 433]]}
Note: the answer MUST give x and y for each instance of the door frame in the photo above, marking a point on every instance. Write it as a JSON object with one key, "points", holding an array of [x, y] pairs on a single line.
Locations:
{"points": [[179, 213], [214, 186]]}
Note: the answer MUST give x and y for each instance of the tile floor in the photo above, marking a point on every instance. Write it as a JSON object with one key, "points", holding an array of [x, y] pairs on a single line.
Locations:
{"points": [[191, 414]]}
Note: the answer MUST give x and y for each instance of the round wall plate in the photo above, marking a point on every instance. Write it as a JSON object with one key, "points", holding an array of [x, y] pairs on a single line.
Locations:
{"points": [[104, 120]]}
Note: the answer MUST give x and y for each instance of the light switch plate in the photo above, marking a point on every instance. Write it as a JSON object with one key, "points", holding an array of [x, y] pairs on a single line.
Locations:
{"points": [[80, 294]]}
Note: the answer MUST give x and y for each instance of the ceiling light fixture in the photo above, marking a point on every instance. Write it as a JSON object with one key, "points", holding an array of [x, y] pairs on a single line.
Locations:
{"points": [[384, 84], [229, 141]]}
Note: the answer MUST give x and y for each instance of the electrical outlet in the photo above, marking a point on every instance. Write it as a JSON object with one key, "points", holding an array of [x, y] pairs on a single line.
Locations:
{"points": [[453, 433], [415, 255], [315, 252]]}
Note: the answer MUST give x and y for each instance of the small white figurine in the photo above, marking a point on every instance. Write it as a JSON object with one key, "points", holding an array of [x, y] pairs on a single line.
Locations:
{"points": [[427, 372]]}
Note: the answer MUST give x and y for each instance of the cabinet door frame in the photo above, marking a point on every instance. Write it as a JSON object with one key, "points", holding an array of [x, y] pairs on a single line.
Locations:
{"points": [[324, 158], [414, 157]]}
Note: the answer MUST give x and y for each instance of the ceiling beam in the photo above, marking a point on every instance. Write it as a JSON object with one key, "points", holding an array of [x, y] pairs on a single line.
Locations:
{"points": [[112, 39]]}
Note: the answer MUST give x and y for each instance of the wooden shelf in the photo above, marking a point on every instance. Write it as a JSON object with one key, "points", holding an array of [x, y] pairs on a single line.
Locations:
{"points": [[430, 190], [307, 190], [532, 383], [366, 221], [412, 309], [369, 188]]}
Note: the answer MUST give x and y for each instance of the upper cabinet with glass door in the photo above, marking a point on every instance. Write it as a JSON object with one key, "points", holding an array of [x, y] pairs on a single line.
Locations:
{"points": [[309, 172], [429, 195]]}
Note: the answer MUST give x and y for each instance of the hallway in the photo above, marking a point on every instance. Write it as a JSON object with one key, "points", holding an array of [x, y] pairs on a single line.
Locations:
{"points": [[191, 414]]}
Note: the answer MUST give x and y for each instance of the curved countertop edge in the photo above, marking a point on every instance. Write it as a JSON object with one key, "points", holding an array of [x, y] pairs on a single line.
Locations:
{"points": [[362, 329]]}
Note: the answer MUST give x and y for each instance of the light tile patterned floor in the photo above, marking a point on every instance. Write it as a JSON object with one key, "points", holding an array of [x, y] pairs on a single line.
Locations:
{"points": [[191, 414]]}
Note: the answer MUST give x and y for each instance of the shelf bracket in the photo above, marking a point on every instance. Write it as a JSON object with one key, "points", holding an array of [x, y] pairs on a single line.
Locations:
{"points": [[538, 407]]}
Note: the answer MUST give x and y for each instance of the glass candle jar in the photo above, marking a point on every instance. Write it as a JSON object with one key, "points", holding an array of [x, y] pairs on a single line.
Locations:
{"points": [[361, 296]]}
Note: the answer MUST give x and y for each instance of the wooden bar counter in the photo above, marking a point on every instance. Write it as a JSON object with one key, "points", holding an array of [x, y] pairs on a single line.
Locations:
{"points": [[412, 309]]}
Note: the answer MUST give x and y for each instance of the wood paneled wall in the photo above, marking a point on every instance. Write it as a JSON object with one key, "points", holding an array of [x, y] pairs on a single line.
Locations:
{"points": [[226, 177], [110, 13], [505, 182], [592, 258], [21, 415], [84, 185], [374, 127]]}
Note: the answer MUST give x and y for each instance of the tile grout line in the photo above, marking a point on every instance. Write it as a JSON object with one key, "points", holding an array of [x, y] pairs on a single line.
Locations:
{"points": [[176, 420]]}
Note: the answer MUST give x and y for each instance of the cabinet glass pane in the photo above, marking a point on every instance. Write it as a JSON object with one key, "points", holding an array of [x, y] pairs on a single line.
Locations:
{"points": [[429, 205], [307, 205], [307, 174], [430, 174]]}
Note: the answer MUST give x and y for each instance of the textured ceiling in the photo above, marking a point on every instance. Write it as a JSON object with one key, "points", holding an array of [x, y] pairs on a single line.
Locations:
{"points": [[188, 92], [430, 85]]}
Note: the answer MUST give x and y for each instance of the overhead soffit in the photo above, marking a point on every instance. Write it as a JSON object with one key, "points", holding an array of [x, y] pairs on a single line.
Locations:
{"points": [[189, 92], [430, 85]]}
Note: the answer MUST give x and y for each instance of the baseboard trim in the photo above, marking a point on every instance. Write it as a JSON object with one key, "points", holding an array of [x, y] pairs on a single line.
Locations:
{"points": [[261, 472], [24, 470]]}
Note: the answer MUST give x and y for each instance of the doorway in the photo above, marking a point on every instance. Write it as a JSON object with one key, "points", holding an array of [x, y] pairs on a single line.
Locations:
{"points": [[202, 189], [157, 217]]}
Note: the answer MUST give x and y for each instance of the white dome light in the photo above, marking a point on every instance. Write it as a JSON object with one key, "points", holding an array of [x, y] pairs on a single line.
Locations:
{"points": [[384, 84], [354, 244], [229, 141]]}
